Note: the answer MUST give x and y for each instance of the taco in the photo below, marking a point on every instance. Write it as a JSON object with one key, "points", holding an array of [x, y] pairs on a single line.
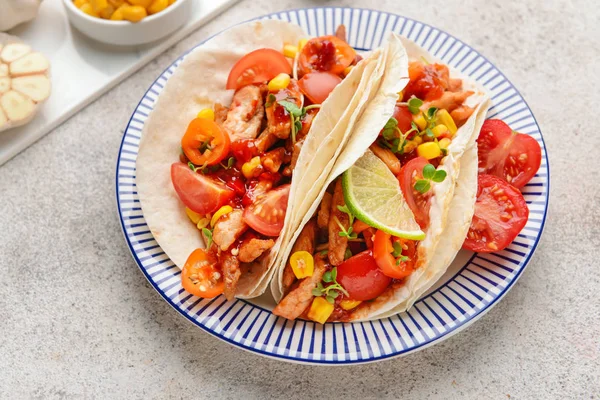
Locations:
{"points": [[396, 207], [232, 142]]}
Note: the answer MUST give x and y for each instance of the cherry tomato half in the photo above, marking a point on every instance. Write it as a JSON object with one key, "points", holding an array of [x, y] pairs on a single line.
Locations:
{"points": [[325, 54], [361, 277], [267, 213], [200, 276], [418, 203], [514, 157], [317, 85], [404, 117], [259, 66], [199, 193], [205, 142], [500, 214], [387, 263]]}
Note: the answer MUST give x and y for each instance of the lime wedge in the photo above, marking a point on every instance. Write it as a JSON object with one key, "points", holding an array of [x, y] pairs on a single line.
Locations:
{"points": [[373, 195]]}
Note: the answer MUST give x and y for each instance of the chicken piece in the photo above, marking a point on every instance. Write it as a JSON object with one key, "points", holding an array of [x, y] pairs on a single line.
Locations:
{"points": [[340, 32], [296, 301], [252, 248], [307, 121], [278, 119], [324, 208], [220, 113], [449, 101], [228, 229], [337, 243], [265, 140], [231, 273], [388, 157], [296, 153], [454, 85], [273, 159], [461, 114], [245, 114], [305, 242]]}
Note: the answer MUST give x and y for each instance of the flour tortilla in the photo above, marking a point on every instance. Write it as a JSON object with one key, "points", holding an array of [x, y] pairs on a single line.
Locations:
{"points": [[199, 82]]}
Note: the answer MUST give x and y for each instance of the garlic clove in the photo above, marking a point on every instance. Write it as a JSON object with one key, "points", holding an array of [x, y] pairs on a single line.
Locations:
{"points": [[4, 85], [3, 69], [33, 63], [16, 106], [37, 87], [14, 51]]}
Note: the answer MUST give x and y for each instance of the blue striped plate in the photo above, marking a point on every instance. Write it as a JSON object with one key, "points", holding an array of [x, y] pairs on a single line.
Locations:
{"points": [[473, 284]]}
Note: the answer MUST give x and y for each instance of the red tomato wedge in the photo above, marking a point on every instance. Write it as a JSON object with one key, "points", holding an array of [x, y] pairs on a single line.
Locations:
{"points": [[317, 85], [205, 142], [500, 214], [267, 213], [404, 117], [258, 66], [361, 277], [199, 193], [387, 263], [325, 54], [418, 203], [200, 276], [514, 157]]}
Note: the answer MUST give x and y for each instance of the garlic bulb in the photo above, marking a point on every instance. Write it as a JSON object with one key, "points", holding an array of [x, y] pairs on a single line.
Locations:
{"points": [[15, 12], [24, 82]]}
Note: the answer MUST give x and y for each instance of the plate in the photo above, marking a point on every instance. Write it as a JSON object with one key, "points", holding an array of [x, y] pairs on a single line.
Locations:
{"points": [[471, 286]]}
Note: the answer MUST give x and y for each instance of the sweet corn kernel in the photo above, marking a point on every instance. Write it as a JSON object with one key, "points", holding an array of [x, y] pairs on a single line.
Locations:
{"points": [[192, 215], [420, 121], [117, 15], [429, 150], [249, 167], [134, 13], [418, 140], [206, 113], [220, 212], [79, 3], [289, 50], [203, 223], [444, 143], [116, 3], [443, 117], [142, 3], [320, 310], [157, 6], [89, 10], [280, 82], [349, 304], [107, 12], [410, 145], [439, 129], [348, 69], [99, 5], [400, 95], [303, 264], [302, 43]]}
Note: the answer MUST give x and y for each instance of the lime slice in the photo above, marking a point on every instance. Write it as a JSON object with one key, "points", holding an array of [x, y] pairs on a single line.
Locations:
{"points": [[373, 195]]}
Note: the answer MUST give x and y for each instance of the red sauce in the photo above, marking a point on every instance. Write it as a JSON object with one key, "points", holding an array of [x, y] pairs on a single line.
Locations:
{"points": [[323, 55], [427, 81], [244, 150]]}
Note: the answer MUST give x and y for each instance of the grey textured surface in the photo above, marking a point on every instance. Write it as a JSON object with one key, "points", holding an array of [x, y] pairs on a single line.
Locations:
{"points": [[78, 319]]}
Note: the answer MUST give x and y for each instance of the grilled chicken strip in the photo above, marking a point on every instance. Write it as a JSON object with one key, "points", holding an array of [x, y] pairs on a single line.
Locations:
{"points": [[337, 243], [305, 242], [245, 114], [228, 229], [252, 248], [324, 211], [231, 273]]}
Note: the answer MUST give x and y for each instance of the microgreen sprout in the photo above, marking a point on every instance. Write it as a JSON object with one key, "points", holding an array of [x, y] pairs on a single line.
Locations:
{"points": [[331, 291], [209, 236], [429, 174], [343, 232]]}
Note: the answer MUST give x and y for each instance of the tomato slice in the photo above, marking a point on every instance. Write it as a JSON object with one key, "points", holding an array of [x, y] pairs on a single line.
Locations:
{"points": [[404, 117], [388, 264], [267, 213], [199, 193], [500, 214], [514, 157], [325, 53], [418, 203], [317, 85], [361, 277], [200, 276], [258, 66], [205, 142]]}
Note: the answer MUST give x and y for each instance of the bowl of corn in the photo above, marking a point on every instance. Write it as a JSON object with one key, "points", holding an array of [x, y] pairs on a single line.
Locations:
{"points": [[127, 22]]}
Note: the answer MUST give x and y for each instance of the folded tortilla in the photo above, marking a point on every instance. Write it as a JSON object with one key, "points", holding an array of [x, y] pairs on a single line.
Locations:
{"points": [[199, 82], [452, 203]]}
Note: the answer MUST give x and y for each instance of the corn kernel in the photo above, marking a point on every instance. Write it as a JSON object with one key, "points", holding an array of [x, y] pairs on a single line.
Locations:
{"points": [[410, 146], [142, 3], [444, 118], [203, 223], [303, 264], [89, 10], [400, 95], [429, 150], [107, 12], [418, 139], [157, 6], [349, 304], [116, 3], [280, 82], [289, 50], [220, 212], [320, 310], [117, 15], [99, 5], [444, 143], [348, 69], [250, 167], [420, 121], [439, 129], [192, 215], [302, 43], [134, 13], [79, 3], [206, 113]]}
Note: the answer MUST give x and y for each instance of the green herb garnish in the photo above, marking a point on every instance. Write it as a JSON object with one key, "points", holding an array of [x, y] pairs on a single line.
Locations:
{"points": [[230, 162], [414, 105], [331, 292], [270, 100], [347, 254], [343, 232], [208, 233], [429, 174]]}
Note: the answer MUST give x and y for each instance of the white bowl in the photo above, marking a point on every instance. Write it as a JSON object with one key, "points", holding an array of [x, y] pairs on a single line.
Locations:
{"points": [[125, 33]]}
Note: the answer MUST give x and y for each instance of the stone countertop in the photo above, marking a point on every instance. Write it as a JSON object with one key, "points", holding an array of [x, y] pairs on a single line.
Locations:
{"points": [[78, 319]]}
